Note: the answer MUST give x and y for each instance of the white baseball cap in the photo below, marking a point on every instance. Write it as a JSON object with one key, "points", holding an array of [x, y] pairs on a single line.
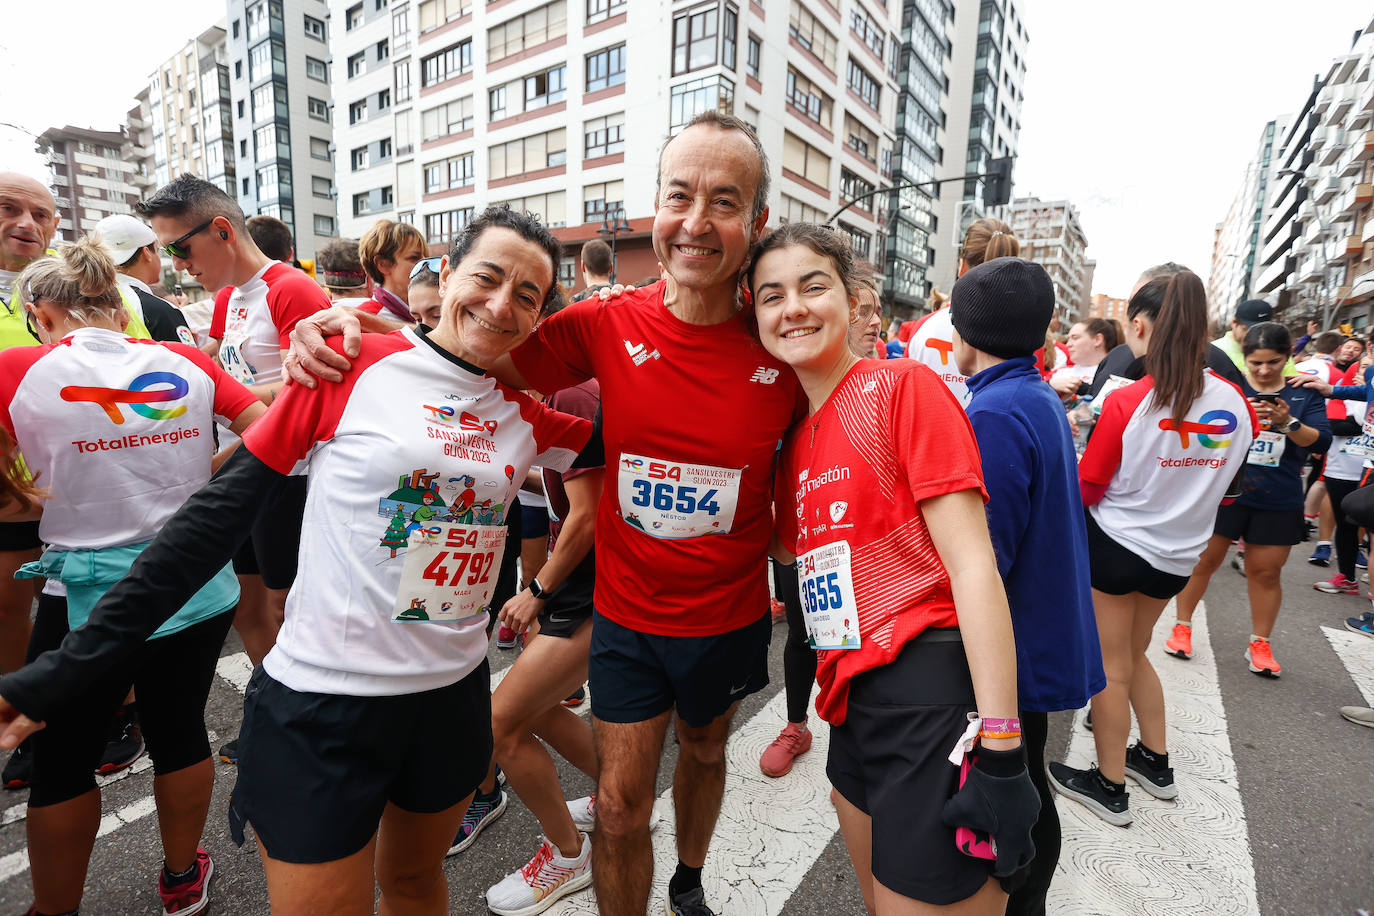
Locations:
{"points": [[122, 236]]}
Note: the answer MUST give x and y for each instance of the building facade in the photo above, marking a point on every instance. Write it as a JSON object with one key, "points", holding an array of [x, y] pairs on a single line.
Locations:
{"points": [[1236, 249], [1104, 306], [188, 105], [92, 176], [1052, 236], [281, 111]]}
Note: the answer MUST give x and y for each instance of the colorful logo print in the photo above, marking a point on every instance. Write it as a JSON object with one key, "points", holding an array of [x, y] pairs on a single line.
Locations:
{"points": [[1209, 428], [142, 392]]}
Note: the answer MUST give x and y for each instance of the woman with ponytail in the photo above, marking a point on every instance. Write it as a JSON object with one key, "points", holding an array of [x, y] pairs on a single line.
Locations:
{"points": [[1268, 512], [1158, 464], [119, 432]]}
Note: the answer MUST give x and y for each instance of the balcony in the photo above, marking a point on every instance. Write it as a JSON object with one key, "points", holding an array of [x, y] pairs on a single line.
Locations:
{"points": [[1363, 144], [1310, 270], [1341, 68], [1323, 99], [1354, 246], [1318, 138], [1350, 164], [1327, 189], [1334, 148], [1341, 103]]}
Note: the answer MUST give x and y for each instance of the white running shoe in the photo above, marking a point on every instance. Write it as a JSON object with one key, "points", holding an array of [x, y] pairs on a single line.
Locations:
{"points": [[542, 881], [583, 811]]}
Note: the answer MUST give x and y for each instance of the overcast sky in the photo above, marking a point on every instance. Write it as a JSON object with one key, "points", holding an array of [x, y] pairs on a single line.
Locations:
{"points": [[1143, 115]]}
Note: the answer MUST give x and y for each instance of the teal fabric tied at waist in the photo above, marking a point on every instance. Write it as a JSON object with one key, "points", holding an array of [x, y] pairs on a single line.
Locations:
{"points": [[88, 574]]}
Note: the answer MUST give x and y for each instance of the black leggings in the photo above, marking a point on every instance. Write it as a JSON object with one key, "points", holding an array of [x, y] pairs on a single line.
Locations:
{"points": [[1347, 532], [798, 658], [1029, 899], [172, 677]]}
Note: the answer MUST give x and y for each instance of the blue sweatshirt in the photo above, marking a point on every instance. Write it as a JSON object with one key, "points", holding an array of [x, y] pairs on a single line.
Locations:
{"points": [[1035, 515]]}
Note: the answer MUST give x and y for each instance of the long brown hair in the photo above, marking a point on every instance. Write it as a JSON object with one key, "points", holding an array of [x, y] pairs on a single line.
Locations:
{"points": [[1178, 341], [988, 238]]}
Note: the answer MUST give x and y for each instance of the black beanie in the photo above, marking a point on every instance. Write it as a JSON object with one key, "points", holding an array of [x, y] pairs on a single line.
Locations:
{"points": [[1003, 307]]}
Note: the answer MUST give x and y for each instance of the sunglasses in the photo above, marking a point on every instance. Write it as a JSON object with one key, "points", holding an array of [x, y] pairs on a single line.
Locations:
{"points": [[430, 264], [29, 322], [179, 249]]}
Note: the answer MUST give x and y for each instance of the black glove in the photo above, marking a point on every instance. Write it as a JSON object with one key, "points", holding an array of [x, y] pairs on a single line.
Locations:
{"points": [[998, 798]]}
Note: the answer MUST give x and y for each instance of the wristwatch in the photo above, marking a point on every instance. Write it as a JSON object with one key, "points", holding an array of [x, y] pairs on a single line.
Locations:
{"points": [[1294, 424], [536, 589]]}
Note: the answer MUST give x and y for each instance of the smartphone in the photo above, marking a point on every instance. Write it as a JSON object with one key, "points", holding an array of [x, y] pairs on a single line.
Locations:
{"points": [[1266, 398], [177, 290]]}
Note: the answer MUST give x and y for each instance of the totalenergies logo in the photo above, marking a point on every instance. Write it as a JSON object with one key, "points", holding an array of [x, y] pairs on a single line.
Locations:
{"points": [[142, 391], [1209, 428]]}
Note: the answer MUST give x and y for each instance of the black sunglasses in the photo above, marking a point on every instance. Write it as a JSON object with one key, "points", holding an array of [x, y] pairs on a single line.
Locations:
{"points": [[178, 249]]}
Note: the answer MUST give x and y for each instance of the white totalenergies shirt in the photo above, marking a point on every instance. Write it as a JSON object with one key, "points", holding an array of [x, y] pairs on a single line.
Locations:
{"points": [[259, 318], [933, 344]]}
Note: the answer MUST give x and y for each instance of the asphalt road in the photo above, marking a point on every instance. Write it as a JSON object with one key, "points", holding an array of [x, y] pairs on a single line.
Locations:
{"points": [[1304, 775]]}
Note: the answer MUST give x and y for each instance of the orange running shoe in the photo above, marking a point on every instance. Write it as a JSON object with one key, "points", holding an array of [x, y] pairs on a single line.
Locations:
{"points": [[1261, 658], [777, 758], [1180, 644]]}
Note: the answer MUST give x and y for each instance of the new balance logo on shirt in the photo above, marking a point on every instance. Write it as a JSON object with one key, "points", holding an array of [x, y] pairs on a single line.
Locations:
{"points": [[764, 376]]}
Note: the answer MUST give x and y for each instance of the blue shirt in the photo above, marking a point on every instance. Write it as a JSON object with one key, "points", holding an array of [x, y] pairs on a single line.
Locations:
{"points": [[1035, 516], [1280, 487]]}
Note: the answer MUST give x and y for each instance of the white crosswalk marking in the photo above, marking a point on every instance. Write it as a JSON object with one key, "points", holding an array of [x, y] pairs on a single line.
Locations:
{"points": [[1186, 857], [1357, 654]]}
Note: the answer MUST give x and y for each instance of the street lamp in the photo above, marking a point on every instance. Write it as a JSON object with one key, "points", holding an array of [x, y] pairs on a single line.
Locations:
{"points": [[613, 224]]}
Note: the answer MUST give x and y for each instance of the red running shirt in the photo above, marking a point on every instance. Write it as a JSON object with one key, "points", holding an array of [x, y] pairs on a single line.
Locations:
{"points": [[691, 419], [891, 435]]}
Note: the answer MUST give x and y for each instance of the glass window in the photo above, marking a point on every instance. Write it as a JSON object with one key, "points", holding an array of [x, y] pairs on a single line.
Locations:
{"points": [[792, 210], [400, 28], [434, 13], [448, 63], [730, 39], [600, 201], [314, 28], [496, 103], [863, 85], [691, 99], [321, 187], [446, 174], [319, 149], [356, 64], [384, 49], [860, 139], [403, 81], [316, 70], [453, 118], [529, 154], [359, 159], [806, 98], [604, 136], [353, 17], [267, 181], [545, 88], [357, 111], [606, 68], [805, 160], [384, 100], [318, 108], [550, 208], [383, 149], [442, 227], [597, 10], [753, 50], [868, 31], [545, 23], [256, 17], [260, 61], [362, 203], [694, 39], [810, 34]]}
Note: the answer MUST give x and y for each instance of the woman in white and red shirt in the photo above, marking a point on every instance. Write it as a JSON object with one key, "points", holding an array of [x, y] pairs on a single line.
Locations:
{"points": [[880, 496]]}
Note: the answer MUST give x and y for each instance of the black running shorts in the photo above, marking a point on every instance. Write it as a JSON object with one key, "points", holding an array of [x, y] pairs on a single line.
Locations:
{"points": [[1116, 570], [890, 759], [636, 676], [19, 536], [1276, 527], [316, 770], [273, 549], [568, 607]]}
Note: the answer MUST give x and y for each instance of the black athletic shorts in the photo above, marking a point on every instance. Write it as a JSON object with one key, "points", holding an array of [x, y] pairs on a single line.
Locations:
{"points": [[569, 607], [316, 770], [19, 536], [1277, 527], [1116, 570], [636, 676], [534, 521], [890, 759], [273, 549]]}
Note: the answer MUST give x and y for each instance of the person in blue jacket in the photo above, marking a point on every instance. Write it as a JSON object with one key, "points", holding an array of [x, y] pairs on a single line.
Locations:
{"points": [[1035, 516]]}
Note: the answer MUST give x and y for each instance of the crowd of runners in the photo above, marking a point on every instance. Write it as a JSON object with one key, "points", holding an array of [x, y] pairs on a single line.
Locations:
{"points": [[460, 452]]}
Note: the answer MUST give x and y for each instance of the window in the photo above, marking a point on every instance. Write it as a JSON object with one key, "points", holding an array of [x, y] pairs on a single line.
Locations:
{"points": [[314, 28], [604, 136], [853, 187], [243, 148], [267, 181], [353, 18], [567, 272], [362, 203], [356, 64], [859, 242], [264, 142], [599, 10], [269, 100], [319, 149], [446, 174], [606, 68], [453, 118], [401, 131], [860, 139], [384, 49], [383, 149], [260, 61], [811, 35], [357, 111], [384, 100], [551, 207], [691, 99], [863, 85], [235, 28], [868, 31], [379, 4], [388, 196], [246, 189], [238, 69], [273, 210], [256, 18], [442, 227], [694, 40], [321, 187], [403, 81], [751, 117], [240, 105], [806, 98], [805, 160], [792, 210], [533, 28], [496, 103], [400, 28], [324, 225], [730, 39], [529, 154], [408, 217], [753, 50], [434, 13], [545, 88], [448, 63], [316, 70], [600, 201], [360, 159], [894, 56]]}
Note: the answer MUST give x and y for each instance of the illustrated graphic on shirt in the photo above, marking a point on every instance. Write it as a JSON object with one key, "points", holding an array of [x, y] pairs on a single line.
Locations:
{"points": [[1209, 428], [414, 504], [140, 393], [416, 611]]}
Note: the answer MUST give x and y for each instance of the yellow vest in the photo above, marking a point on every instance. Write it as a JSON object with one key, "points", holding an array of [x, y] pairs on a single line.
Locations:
{"points": [[136, 326], [14, 330]]}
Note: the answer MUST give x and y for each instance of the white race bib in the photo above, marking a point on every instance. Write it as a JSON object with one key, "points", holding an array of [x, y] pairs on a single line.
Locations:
{"points": [[1267, 449], [827, 597], [450, 572], [1113, 383], [1359, 446], [231, 358], [671, 500]]}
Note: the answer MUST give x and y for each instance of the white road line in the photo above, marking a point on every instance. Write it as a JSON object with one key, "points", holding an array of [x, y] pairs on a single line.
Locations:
{"points": [[1186, 857], [770, 832], [236, 669], [1357, 654]]}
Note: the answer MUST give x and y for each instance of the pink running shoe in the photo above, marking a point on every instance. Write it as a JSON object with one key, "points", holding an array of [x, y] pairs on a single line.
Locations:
{"points": [[194, 895], [1338, 585], [794, 741]]}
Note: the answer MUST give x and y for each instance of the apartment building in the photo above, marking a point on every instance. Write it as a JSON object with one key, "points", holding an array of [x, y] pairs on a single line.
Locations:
{"points": [[92, 176], [1236, 249], [561, 107], [1052, 236], [1104, 306], [283, 149], [186, 104]]}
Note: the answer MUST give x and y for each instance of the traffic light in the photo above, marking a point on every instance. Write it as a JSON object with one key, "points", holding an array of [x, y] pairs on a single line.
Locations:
{"points": [[997, 182]]}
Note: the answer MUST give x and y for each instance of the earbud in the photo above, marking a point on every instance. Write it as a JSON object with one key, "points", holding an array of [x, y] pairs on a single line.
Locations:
{"points": [[224, 235]]}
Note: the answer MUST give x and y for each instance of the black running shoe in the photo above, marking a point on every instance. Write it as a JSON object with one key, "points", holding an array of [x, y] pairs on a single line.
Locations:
{"points": [[18, 772], [1085, 787], [229, 752], [1159, 782], [122, 750], [690, 903]]}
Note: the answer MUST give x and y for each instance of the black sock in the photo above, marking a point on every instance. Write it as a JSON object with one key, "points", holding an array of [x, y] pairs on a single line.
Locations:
{"points": [[684, 879], [1156, 761], [491, 796], [1111, 788], [177, 878]]}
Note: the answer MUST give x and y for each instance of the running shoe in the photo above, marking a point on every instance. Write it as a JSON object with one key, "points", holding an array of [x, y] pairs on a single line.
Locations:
{"points": [[1238, 562], [1360, 715], [122, 750], [777, 609], [1085, 787], [690, 903], [1363, 625], [194, 895], [506, 638], [229, 752], [778, 757], [576, 698], [1361, 560], [1261, 658], [583, 812], [1180, 642], [541, 882], [18, 772], [1158, 781], [480, 813], [1338, 585], [1321, 556]]}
